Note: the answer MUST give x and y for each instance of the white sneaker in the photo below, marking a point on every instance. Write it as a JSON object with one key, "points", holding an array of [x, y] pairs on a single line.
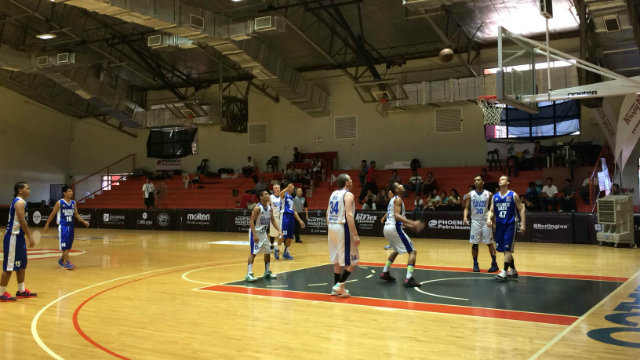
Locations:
{"points": [[337, 290], [250, 277], [512, 274], [502, 276]]}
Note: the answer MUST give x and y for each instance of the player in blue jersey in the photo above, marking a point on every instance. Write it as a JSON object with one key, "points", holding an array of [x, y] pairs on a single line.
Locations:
{"points": [[15, 243], [261, 217], [66, 210], [504, 205], [288, 216]]}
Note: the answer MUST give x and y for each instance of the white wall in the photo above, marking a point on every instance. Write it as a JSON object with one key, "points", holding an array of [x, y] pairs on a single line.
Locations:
{"points": [[35, 146]]}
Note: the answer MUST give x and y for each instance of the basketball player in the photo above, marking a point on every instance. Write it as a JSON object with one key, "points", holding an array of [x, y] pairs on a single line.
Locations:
{"points": [[287, 222], [66, 210], [504, 205], [343, 236], [275, 209], [398, 239], [15, 243], [261, 217], [477, 201]]}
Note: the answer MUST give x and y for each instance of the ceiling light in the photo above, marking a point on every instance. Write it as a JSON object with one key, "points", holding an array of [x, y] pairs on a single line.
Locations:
{"points": [[236, 0], [46, 36]]}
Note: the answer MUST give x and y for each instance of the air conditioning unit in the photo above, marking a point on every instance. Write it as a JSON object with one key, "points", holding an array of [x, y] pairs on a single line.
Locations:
{"points": [[196, 22], [240, 31], [420, 5], [155, 41], [615, 214], [381, 94], [42, 61], [66, 58], [268, 23], [611, 23], [546, 9]]}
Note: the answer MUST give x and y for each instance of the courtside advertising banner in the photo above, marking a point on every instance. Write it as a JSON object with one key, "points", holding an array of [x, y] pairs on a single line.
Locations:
{"points": [[111, 218], [316, 224], [444, 225], [198, 220], [550, 227]]}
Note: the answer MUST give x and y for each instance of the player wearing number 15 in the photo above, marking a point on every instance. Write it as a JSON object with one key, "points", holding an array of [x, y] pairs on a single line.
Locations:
{"points": [[66, 210], [504, 205], [343, 236]]}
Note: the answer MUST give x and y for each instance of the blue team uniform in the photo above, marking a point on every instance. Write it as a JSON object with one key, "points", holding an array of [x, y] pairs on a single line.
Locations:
{"points": [[505, 211], [14, 244], [288, 220], [65, 224]]}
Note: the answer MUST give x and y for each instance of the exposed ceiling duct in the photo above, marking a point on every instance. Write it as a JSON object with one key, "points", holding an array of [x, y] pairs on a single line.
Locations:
{"points": [[234, 40], [79, 80]]}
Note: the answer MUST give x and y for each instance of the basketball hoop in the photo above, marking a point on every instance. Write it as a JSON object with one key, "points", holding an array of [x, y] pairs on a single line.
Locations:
{"points": [[491, 109], [382, 107]]}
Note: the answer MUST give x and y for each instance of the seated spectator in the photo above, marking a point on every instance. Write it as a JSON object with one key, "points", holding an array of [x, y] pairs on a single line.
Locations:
{"points": [[291, 174], [247, 169], [539, 155], [395, 178], [316, 168], [418, 203], [583, 190], [444, 201], [415, 164], [489, 182], [532, 197], [615, 190], [370, 182], [383, 201], [549, 195], [369, 201], [415, 182], [455, 202], [430, 183], [433, 200], [306, 179], [568, 199], [297, 155], [363, 172]]}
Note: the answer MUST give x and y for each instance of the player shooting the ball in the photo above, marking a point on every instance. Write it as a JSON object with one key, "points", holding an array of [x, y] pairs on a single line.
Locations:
{"points": [[398, 239]]}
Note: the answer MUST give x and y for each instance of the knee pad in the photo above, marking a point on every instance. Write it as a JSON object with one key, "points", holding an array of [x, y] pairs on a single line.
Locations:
{"points": [[474, 247]]}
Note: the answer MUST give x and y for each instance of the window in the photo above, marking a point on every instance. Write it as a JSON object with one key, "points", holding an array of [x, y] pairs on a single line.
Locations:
{"points": [[108, 180], [556, 118]]}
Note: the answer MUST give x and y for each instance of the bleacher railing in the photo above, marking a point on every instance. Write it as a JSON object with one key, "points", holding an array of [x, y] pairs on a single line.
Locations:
{"points": [[594, 187], [102, 179]]}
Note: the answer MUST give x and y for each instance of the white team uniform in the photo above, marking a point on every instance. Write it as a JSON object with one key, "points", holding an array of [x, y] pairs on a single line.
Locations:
{"points": [[275, 206], [261, 245], [393, 232], [478, 206], [342, 248]]}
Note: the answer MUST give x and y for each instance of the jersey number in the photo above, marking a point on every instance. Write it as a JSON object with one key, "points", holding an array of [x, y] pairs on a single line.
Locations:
{"points": [[333, 205], [69, 218], [502, 214]]}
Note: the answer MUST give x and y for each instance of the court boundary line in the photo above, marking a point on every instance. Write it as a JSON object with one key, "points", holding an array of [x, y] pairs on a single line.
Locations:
{"points": [[579, 320]]}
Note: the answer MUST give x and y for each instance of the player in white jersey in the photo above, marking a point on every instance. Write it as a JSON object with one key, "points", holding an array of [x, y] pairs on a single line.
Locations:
{"points": [[66, 210], [400, 242], [477, 203], [15, 243], [275, 201], [343, 236], [261, 217]]}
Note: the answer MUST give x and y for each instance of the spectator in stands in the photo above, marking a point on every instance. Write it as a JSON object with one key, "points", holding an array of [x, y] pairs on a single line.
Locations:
{"points": [[433, 200], [395, 178], [489, 183], [290, 173], [549, 195], [430, 183], [415, 183], [415, 164], [297, 155], [455, 202], [532, 197], [259, 188], [583, 190], [300, 205], [316, 169], [149, 194], [305, 178], [383, 200], [362, 176], [247, 168], [370, 182], [568, 199], [370, 201], [418, 203], [615, 190], [444, 201], [539, 155]]}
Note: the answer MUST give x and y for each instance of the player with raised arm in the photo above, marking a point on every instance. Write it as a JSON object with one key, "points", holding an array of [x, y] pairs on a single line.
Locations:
{"points": [[503, 206], [288, 216]]}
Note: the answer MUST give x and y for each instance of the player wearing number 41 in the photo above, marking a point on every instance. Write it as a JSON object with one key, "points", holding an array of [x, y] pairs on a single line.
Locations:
{"points": [[64, 211], [15, 243], [343, 236], [504, 205], [261, 217], [398, 239], [477, 202]]}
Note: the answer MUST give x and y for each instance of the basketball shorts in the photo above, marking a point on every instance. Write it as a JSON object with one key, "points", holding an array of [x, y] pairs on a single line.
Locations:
{"points": [[342, 248], [272, 229], [480, 233], [398, 238], [288, 225], [65, 237], [260, 245], [505, 236], [14, 251]]}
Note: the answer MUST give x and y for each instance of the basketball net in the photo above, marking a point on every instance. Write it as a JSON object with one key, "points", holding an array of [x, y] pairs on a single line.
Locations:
{"points": [[382, 107], [491, 109]]}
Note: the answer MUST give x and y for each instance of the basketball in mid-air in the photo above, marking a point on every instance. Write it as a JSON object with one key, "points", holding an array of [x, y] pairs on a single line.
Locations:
{"points": [[446, 55]]}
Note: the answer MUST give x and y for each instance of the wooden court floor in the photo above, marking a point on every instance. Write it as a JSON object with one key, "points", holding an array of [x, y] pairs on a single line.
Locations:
{"points": [[138, 295]]}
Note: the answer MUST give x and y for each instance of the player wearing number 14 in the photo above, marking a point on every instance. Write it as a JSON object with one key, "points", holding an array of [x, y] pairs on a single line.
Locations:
{"points": [[66, 210]]}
